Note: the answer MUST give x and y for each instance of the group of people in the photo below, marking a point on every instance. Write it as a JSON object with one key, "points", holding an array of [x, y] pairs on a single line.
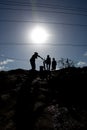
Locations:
{"points": [[47, 63]]}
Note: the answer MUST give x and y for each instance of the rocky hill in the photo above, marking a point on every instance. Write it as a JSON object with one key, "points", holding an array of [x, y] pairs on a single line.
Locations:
{"points": [[35, 100]]}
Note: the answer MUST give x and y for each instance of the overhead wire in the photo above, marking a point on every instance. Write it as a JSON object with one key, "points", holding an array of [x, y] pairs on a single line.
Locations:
{"points": [[40, 5], [44, 11], [44, 44], [31, 21], [55, 6]]}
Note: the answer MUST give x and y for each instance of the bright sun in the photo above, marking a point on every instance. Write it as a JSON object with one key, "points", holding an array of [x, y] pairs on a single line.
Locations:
{"points": [[39, 35]]}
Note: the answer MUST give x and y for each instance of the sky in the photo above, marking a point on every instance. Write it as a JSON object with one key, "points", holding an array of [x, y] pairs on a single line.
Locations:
{"points": [[65, 22]]}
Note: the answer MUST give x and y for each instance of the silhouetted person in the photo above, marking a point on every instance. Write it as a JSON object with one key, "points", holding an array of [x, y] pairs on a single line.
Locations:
{"points": [[54, 63], [44, 64], [48, 62], [67, 62], [32, 60]]}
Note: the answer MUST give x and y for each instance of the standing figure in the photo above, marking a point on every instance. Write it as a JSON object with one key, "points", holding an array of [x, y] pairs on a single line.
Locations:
{"points": [[44, 64], [54, 63], [48, 62], [32, 60]]}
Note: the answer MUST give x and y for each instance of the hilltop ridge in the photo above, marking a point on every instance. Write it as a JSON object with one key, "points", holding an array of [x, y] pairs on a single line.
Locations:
{"points": [[43, 100]]}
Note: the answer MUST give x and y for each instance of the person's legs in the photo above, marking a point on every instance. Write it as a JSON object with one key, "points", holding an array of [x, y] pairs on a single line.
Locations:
{"points": [[33, 66]]}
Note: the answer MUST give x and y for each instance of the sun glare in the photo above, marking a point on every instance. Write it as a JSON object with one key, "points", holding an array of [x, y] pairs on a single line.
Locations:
{"points": [[39, 35]]}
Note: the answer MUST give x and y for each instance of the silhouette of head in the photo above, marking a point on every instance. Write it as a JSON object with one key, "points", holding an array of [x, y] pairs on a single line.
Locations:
{"points": [[48, 56], [35, 53]]}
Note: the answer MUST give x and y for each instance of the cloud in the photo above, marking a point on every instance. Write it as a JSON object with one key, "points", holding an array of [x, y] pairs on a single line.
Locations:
{"points": [[2, 67], [85, 54], [6, 62], [81, 64]]}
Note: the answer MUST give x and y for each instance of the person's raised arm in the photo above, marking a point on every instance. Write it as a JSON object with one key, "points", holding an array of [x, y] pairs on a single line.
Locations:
{"points": [[40, 57]]}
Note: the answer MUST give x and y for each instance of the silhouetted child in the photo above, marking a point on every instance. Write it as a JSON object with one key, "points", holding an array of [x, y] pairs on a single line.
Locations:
{"points": [[54, 63], [48, 62], [44, 64]]}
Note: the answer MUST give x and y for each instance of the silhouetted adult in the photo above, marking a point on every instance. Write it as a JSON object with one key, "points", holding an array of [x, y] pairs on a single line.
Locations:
{"points": [[48, 62], [54, 63], [32, 60]]}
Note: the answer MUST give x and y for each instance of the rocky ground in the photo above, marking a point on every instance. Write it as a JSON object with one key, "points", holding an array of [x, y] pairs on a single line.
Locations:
{"points": [[35, 100]]}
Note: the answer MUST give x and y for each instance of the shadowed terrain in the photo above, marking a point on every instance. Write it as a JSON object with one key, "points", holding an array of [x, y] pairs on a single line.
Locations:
{"points": [[43, 100]]}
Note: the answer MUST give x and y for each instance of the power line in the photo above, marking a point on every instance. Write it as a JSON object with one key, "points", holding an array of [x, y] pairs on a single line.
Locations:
{"points": [[44, 11], [55, 6], [40, 22], [47, 44]]}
